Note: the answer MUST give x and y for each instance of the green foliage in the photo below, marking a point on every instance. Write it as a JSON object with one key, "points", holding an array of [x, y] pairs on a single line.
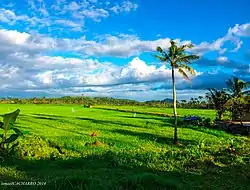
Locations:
{"points": [[97, 101], [238, 101], [201, 121], [33, 147], [7, 144], [237, 107], [219, 99], [236, 87], [207, 122], [178, 58], [233, 99]]}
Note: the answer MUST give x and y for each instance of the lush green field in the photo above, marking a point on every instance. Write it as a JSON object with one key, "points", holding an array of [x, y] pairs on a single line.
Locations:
{"points": [[182, 112], [132, 153]]}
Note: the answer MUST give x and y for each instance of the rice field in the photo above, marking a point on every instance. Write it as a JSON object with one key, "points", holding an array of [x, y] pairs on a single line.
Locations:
{"points": [[71, 147]]}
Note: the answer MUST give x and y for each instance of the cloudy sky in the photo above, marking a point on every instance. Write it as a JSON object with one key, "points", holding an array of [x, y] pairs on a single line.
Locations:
{"points": [[105, 47]]}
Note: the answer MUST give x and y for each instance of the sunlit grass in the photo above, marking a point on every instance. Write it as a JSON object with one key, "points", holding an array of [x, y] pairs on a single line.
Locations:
{"points": [[180, 111], [136, 152]]}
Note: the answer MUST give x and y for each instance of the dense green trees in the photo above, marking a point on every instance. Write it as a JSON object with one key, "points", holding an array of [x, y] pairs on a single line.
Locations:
{"points": [[234, 99], [70, 100], [106, 101], [237, 87], [238, 101], [219, 98]]}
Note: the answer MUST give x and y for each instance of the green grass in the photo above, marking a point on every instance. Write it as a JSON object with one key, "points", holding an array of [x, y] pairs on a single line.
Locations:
{"points": [[182, 112], [137, 153]]}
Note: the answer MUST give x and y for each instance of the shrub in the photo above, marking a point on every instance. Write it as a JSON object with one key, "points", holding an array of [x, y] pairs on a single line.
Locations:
{"points": [[237, 108], [192, 120], [198, 121], [206, 122], [7, 145]]}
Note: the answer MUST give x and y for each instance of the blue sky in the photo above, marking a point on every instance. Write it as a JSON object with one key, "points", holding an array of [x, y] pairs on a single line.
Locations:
{"points": [[105, 48]]}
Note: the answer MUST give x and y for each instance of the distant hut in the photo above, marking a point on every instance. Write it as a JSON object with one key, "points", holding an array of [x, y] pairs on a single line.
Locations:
{"points": [[237, 127], [247, 114]]}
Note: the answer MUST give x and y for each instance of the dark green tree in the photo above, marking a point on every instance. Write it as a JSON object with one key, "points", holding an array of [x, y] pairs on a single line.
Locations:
{"points": [[218, 98]]}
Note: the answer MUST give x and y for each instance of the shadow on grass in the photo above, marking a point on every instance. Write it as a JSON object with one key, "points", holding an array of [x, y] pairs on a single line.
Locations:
{"points": [[153, 137], [136, 111], [163, 119], [148, 124], [118, 172], [63, 120], [50, 126], [50, 116], [105, 122], [46, 118], [209, 131]]}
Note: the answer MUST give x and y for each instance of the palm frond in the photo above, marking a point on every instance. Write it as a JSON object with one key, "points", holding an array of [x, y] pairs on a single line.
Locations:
{"points": [[173, 49], [236, 86], [188, 68], [159, 49], [246, 92], [243, 84], [161, 58], [186, 46], [164, 56], [181, 71], [218, 97], [229, 83], [187, 58]]}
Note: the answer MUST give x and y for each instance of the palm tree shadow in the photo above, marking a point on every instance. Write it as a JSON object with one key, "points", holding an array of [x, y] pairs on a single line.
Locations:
{"points": [[50, 116], [105, 122], [162, 119], [64, 120], [153, 137], [46, 118], [50, 126], [207, 130]]}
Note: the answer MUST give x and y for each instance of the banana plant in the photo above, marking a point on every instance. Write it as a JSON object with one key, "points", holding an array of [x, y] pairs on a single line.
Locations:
{"points": [[8, 125]]}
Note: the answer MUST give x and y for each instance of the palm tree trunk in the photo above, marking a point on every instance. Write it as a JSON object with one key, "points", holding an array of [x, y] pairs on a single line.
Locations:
{"points": [[220, 115], [174, 108]]}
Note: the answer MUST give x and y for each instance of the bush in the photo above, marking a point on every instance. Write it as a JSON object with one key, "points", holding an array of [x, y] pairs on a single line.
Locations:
{"points": [[33, 146], [198, 121], [237, 107], [206, 122], [8, 142]]}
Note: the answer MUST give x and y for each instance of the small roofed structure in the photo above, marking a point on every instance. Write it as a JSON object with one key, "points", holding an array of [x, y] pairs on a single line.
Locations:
{"points": [[246, 117], [237, 127]]}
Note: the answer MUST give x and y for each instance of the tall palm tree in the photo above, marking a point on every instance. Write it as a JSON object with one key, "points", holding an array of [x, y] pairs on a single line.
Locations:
{"points": [[183, 103], [236, 87], [200, 98], [199, 101], [219, 98], [178, 59]]}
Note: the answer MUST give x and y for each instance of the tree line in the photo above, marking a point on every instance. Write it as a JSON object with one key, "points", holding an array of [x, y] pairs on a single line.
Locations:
{"points": [[194, 103]]}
